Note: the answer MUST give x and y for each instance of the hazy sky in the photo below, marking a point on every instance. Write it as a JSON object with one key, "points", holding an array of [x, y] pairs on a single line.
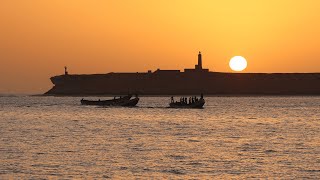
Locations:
{"points": [[39, 37]]}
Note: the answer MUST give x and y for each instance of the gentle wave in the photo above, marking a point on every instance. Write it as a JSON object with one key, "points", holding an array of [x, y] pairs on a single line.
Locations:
{"points": [[230, 138]]}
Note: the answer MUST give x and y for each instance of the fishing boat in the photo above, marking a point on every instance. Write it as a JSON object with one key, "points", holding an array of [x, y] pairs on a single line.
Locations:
{"points": [[195, 103], [121, 101]]}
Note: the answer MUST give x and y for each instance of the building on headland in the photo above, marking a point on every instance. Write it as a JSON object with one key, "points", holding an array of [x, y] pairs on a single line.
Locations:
{"points": [[197, 67], [188, 82]]}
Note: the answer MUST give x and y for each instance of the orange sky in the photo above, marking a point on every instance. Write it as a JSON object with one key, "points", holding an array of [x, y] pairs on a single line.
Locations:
{"points": [[39, 37]]}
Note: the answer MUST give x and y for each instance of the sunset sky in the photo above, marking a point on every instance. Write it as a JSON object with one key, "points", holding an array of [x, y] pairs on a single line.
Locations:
{"points": [[39, 37]]}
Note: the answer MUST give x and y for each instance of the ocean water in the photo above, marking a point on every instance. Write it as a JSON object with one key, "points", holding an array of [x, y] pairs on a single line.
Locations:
{"points": [[232, 137]]}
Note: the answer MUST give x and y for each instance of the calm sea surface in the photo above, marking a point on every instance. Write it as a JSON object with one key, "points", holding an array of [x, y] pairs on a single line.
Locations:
{"points": [[232, 137]]}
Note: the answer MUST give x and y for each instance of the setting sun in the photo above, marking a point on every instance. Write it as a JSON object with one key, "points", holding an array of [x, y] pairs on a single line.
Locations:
{"points": [[238, 63]]}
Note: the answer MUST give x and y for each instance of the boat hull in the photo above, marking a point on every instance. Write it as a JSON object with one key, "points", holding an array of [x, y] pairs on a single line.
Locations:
{"points": [[117, 102]]}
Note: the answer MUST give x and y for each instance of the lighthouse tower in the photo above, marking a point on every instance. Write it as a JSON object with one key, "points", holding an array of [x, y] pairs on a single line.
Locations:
{"points": [[199, 65]]}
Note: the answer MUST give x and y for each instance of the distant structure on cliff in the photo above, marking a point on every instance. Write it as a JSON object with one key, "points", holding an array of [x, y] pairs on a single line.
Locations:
{"points": [[197, 67], [189, 82]]}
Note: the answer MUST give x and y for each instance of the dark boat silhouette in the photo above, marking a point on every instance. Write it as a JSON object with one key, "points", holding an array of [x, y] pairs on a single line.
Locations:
{"points": [[125, 101], [199, 103]]}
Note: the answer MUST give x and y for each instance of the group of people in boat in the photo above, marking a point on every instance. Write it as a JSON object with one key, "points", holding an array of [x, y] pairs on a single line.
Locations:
{"points": [[184, 100]]}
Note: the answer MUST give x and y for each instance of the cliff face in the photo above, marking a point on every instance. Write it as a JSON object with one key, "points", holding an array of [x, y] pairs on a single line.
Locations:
{"points": [[180, 83]]}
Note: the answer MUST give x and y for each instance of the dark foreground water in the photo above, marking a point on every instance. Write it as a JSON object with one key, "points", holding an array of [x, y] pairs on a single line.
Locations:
{"points": [[232, 137]]}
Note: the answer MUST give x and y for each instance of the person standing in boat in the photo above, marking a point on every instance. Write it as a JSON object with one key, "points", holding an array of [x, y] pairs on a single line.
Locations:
{"points": [[172, 100]]}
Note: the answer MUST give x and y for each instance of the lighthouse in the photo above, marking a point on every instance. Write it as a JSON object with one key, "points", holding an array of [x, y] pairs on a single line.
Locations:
{"points": [[199, 65], [199, 60]]}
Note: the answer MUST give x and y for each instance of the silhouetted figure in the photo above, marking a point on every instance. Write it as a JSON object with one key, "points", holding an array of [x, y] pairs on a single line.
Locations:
{"points": [[201, 96], [190, 100], [172, 100]]}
